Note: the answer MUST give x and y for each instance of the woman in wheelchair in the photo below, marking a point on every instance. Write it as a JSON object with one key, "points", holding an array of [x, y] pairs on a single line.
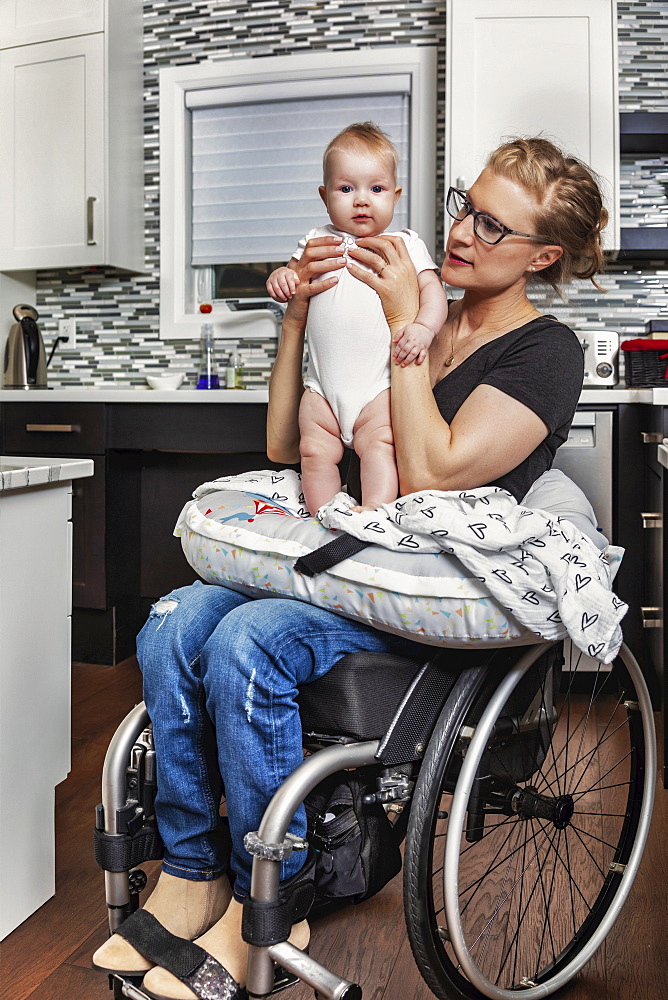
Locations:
{"points": [[221, 671]]}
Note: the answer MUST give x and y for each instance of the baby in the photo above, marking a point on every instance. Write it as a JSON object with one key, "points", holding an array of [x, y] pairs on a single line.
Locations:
{"points": [[347, 397]]}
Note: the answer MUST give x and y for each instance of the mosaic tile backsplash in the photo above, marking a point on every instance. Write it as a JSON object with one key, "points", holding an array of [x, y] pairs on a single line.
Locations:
{"points": [[117, 335]]}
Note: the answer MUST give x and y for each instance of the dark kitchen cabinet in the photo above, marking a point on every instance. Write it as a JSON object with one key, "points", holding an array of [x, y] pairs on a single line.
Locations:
{"points": [[149, 457]]}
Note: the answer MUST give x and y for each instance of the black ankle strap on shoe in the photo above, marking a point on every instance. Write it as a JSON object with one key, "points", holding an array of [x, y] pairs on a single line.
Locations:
{"points": [[201, 973]]}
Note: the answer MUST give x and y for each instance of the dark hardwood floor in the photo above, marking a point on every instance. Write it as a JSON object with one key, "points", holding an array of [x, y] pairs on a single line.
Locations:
{"points": [[48, 956]]}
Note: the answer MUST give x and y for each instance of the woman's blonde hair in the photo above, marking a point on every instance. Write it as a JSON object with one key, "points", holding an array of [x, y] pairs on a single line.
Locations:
{"points": [[571, 213], [362, 135]]}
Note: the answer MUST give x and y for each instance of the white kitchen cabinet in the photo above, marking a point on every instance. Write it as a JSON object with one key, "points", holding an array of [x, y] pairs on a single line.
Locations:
{"points": [[71, 179], [24, 22], [35, 616], [530, 67]]}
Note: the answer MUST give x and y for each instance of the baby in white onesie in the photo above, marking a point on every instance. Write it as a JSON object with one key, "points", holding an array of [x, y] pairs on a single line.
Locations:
{"points": [[347, 397]]}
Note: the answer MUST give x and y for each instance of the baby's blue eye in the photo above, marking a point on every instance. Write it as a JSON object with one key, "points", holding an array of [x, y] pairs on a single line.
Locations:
{"points": [[346, 189], [377, 188]]}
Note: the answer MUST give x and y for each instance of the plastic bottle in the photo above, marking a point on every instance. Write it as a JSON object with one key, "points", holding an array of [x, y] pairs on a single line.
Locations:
{"points": [[208, 378]]}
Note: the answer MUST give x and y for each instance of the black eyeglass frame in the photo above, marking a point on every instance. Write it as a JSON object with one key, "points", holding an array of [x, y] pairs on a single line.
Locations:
{"points": [[470, 210]]}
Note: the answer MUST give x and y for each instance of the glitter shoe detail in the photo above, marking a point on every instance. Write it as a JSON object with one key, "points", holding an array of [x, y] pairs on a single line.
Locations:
{"points": [[211, 981]]}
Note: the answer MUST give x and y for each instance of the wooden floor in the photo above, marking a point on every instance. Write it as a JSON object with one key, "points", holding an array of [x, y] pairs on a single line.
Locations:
{"points": [[48, 956]]}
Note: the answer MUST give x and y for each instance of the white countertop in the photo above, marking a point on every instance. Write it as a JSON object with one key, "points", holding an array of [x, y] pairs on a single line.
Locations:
{"points": [[133, 394], [17, 473], [129, 394]]}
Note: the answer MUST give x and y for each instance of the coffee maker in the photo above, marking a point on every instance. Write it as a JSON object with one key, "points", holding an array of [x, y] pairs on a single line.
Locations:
{"points": [[25, 357]]}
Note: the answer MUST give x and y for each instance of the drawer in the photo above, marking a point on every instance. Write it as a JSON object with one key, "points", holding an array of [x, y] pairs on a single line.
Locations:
{"points": [[54, 428]]}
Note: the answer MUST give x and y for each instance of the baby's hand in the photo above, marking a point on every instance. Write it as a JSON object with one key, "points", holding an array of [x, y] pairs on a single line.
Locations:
{"points": [[282, 284], [412, 344]]}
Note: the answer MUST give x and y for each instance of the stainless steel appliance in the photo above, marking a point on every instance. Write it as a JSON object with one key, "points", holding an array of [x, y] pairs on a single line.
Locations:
{"points": [[25, 357], [586, 457], [601, 356]]}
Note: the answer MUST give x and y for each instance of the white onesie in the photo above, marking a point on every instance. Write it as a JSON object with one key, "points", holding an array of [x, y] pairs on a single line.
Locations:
{"points": [[348, 336]]}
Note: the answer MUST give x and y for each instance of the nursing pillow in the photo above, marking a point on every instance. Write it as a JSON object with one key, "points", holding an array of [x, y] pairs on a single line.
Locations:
{"points": [[249, 540]]}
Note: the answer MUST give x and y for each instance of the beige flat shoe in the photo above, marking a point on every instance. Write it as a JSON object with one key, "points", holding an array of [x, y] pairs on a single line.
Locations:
{"points": [[183, 907], [222, 973]]}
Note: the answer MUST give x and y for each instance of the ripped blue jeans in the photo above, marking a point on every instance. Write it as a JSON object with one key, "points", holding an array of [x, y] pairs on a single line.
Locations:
{"points": [[221, 673]]}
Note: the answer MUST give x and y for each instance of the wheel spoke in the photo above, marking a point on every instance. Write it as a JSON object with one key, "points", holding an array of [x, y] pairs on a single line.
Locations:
{"points": [[589, 707], [602, 788], [490, 870], [489, 830], [515, 937], [577, 834], [548, 923], [593, 750], [567, 870], [594, 837]]}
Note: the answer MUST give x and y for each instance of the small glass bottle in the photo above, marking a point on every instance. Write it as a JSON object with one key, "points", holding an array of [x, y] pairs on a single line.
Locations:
{"points": [[233, 373], [208, 379]]}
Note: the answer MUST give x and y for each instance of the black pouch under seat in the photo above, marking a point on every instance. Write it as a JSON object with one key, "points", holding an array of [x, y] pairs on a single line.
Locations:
{"points": [[356, 850]]}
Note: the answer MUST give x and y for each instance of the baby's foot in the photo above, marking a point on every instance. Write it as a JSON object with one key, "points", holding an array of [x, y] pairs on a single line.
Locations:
{"points": [[365, 508]]}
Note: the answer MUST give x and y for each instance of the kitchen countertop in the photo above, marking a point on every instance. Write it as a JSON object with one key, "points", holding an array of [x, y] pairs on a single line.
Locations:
{"points": [[129, 394], [133, 394], [17, 473]]}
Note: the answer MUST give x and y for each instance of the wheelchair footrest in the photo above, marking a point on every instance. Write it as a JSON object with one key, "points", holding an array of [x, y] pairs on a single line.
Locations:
{"points": [[121, 852]]}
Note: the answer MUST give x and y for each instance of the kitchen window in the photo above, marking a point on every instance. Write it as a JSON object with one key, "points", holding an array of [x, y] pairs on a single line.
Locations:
{"points": [[241, 152]]}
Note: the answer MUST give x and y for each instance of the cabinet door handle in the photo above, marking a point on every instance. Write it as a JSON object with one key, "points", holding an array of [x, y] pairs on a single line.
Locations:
{"points": [[652, 520], [90, 221], [53, 428], [651, 437], [651, 618]]}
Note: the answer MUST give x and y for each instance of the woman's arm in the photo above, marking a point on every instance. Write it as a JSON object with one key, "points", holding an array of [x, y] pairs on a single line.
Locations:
{"points": [[491, 434], [285, 384]]}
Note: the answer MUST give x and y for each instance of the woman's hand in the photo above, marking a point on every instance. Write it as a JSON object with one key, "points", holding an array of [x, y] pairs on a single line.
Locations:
{"points": [[320, 256], [392, 276]]}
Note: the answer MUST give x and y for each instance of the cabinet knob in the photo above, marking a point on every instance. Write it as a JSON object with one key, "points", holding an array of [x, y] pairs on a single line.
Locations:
{"points": [[90, 221], [652, 519], [651, 617]]}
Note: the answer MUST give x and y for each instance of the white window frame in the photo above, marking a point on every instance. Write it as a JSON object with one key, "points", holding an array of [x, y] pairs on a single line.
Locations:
{"points": [[178, 318]]}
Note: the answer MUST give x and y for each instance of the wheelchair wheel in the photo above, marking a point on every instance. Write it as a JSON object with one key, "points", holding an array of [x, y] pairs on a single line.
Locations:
{"points": [[527, 826]]}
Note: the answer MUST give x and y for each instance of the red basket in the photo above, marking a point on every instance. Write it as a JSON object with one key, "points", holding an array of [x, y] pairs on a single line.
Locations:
{"points": [[645, 363]]}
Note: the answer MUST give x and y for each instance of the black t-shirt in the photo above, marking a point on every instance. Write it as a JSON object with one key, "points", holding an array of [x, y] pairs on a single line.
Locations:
{"points": [[541, 364]]}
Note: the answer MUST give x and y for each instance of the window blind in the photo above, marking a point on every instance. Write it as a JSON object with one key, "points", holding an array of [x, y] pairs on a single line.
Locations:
{"points": [[257, 166]]}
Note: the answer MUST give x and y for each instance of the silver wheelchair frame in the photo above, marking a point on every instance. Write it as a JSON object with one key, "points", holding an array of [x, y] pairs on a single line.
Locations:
{"points": [[273, 836]]}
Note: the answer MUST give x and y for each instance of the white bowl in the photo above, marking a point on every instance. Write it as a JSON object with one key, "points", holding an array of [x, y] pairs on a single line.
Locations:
{"points": [[170, 380]]}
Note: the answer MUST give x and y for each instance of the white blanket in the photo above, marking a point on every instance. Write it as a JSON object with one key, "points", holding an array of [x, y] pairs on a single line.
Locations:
{"points": [[542, 568]]}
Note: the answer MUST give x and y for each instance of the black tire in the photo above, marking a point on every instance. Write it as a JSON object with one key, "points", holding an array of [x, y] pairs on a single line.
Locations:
{"points": [[537, 884], [418, 903]]}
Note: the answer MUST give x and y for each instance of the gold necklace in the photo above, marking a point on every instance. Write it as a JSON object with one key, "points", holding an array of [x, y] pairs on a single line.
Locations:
{"points": [[448, 361]]}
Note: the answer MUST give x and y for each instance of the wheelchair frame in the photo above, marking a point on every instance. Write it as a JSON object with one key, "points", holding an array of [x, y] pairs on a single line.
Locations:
{"points": [[272, 842]]}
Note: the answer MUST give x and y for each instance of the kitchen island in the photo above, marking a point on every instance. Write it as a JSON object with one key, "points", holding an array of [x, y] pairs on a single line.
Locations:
{"points": [[35, 616]]}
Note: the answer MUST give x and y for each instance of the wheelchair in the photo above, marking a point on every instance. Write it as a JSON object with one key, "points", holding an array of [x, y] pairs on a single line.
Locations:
{"points": [[522, 783]]}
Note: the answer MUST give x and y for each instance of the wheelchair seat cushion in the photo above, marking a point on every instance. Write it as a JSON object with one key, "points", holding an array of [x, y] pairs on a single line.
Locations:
{"points": [[358, 697], [247, 532]]}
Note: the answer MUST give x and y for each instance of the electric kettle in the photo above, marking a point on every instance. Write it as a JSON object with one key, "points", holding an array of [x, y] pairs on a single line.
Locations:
{"points": [[25, 357]]}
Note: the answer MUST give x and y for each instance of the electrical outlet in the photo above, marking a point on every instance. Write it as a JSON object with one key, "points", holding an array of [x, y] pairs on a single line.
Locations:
{"points": [[68, 328]]}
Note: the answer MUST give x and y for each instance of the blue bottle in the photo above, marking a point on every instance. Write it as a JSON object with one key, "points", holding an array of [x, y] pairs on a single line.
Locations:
{"points": [[208, 379]]}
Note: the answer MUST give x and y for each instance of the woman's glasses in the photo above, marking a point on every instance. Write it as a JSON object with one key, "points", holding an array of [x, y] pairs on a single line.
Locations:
{"points": [[486, 227]]}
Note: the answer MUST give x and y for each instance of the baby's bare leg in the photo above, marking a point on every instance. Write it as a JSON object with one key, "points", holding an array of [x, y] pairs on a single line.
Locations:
{"points": [[321, 450], [374, 443]]}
